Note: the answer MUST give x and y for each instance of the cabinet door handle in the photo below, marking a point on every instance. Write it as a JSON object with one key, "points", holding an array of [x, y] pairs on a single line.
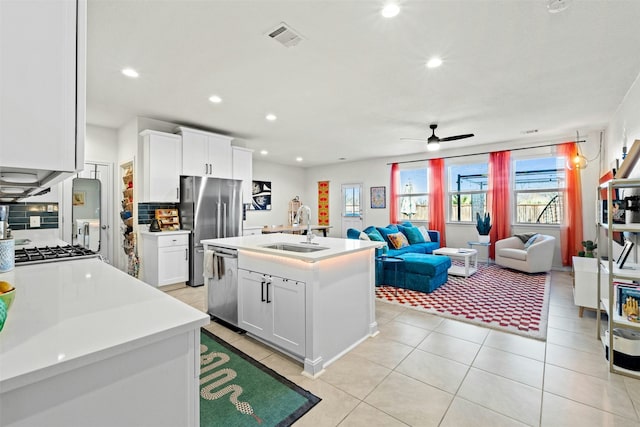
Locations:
{"points": [[177, 193], [262, 291], [206, 169], [268, 300], [186, 254]]}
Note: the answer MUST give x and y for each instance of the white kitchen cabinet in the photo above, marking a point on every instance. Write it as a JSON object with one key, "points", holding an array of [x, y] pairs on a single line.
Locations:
{"points": [[273, 308], [205, 153], [165, 257], [243, 170], [160, 167], [42, 106]]}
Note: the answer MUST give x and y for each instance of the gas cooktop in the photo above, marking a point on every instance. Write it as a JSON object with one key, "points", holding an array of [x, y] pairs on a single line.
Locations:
{"points": [[52, 253]]}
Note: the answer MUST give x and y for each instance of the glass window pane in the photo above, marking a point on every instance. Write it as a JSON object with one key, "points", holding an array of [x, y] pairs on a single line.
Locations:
{"points": [[472, 177], [469, 205], [414, 208], [413, 181], [545, 173], [539, 207]]}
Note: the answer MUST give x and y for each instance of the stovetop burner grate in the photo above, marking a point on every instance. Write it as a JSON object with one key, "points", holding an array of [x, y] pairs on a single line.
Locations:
{"points": [[52, 253]]}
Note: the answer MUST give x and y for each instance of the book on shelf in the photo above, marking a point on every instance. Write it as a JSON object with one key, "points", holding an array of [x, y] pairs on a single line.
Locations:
{"points": [[624, 291]]}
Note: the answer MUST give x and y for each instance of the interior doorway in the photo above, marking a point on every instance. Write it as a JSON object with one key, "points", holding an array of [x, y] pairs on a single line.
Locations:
{"points": [[102, 172], [352, 212]]}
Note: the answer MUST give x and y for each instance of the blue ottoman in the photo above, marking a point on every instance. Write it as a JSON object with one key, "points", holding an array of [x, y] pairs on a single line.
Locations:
{"points": [[420, 272]]}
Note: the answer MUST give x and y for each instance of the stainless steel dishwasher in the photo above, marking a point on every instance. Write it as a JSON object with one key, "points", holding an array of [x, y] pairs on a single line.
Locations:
{"points": [[222, 288]]}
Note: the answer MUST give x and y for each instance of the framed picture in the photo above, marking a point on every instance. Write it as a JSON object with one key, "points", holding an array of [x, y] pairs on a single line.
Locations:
{"points": [[378, 198], [261, 195], [626, 250], [78, 198]]}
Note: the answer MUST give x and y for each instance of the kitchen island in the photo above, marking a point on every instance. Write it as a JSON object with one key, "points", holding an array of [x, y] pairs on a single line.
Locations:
{"points": [[86, 344], [314, 302]]}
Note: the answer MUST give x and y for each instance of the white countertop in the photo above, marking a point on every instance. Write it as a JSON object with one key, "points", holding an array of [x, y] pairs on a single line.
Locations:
{"points": [[334, 246], [72, 313]]}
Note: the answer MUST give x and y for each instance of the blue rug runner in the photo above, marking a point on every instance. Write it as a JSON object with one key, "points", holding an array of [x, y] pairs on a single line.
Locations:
{"points": [[237, 390]]}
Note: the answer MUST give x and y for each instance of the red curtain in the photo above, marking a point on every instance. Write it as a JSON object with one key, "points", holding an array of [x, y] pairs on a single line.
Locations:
{"points": [[393, 200], [437, 199], [571, 229], [498, 197]]}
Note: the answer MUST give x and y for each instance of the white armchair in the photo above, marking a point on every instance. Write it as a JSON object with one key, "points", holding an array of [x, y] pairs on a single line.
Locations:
{"points": [[538, 257]]}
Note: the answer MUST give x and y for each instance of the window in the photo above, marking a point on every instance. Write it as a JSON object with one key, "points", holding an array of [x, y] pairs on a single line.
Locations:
{"points": [[468, 184], [351, 200], [539, 190], [413, 196]]}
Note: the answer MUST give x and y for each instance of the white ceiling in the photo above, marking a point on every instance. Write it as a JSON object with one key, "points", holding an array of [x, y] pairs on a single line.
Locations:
{"points": [[357, 83]]}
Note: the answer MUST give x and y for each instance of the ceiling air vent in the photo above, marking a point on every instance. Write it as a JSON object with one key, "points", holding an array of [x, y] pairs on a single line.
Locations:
{"points": [[285, 35]]}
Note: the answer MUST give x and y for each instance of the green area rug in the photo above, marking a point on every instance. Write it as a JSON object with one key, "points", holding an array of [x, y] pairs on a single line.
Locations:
{"points": [[237, 390]]}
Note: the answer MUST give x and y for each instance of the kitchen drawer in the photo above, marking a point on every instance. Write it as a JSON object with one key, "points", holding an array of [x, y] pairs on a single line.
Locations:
{"points": [[173, 240]]}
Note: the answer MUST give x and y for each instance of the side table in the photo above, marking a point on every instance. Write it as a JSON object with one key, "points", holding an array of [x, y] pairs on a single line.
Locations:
{"points": [[485, 244], [395, 262]]}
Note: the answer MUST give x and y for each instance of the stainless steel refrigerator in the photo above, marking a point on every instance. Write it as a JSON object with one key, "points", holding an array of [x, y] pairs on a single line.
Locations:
{"points": [[211, 208]]}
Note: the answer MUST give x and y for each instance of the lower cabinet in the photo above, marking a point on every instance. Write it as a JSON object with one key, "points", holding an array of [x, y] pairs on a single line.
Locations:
{"points": [[165, 258], [585, 283], [273, 308]]}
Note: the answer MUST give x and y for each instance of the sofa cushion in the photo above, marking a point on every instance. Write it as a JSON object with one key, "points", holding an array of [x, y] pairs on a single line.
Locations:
{"points": [[525, 236], [514, 253], [374, 234], [363, 236], [398, 240], [413, 235], [416, 249], [429, 265], [426, 247], [352, 233]]}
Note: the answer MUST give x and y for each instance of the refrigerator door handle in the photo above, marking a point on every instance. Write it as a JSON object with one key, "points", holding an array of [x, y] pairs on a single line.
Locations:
{"points": [[224, 219], [218, 222]]}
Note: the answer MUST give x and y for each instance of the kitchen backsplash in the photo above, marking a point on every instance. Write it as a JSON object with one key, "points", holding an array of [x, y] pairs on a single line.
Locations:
{"points": [[21, 212], [147, 211]]}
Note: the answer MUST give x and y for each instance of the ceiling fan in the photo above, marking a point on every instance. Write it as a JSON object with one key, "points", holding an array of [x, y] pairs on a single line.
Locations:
{"points": [[433, 142]]}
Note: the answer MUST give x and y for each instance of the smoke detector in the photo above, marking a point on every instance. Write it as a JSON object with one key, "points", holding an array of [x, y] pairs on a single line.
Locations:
{"points": [[555, 6], [285, 35]]}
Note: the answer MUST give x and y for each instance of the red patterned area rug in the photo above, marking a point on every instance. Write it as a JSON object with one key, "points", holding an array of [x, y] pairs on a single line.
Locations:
{"points": [[493, 297]]}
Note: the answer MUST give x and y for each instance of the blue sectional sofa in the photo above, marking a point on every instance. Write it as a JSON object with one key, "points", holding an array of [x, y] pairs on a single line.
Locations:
{"points": [[420, 270]]}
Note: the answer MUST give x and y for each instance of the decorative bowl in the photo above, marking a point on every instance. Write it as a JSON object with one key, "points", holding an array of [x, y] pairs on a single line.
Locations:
{"points": [[6, 299]]}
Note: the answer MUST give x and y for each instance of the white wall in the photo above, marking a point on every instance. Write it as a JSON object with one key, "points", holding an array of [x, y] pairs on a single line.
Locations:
{"points": [[286, 183]]}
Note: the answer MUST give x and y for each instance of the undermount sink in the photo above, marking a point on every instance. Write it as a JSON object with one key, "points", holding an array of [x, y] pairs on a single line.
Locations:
{"points": [[294, 248]]}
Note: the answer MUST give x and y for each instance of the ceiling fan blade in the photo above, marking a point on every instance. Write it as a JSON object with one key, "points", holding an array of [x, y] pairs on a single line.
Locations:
{"points": [[413, 139], [453, 138]]}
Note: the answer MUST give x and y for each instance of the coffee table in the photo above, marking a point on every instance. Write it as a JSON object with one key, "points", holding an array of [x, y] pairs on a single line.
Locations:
{"points": [[467, 255]]}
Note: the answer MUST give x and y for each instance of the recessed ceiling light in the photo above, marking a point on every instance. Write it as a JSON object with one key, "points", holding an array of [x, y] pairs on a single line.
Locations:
{"points": [[271, 117], [390, 10], [434, 62], [342, 158], [529, 131], [264, 152], [215, 99], [298, 159], [130, 72]]}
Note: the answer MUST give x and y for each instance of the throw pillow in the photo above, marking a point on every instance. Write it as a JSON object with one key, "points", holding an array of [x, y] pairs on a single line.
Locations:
{"points": [[398, 240], [385, 231], [407, 224], [363, 236], [531, 240], [525, 236], [425, 233], [413, 235], [375, 236]]}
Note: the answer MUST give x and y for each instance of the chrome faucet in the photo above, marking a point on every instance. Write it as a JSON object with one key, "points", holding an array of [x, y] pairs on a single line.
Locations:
{"points": [[307, 209]]}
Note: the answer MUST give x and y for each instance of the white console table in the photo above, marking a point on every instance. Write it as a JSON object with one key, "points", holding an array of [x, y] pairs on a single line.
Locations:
{"points": [[585, 282]]}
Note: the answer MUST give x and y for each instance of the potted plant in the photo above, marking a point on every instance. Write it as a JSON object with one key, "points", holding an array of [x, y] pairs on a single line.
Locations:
{"points": [[589, 246], [483, 225]]}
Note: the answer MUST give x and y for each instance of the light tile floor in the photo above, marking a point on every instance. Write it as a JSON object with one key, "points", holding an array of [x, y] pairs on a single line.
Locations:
{"points": [[423, 370]]}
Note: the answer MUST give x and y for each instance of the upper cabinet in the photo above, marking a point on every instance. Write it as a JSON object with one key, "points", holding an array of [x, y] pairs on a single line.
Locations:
{"points": [[160, 167], [42, 64], [205, 153], [242, 170]]}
